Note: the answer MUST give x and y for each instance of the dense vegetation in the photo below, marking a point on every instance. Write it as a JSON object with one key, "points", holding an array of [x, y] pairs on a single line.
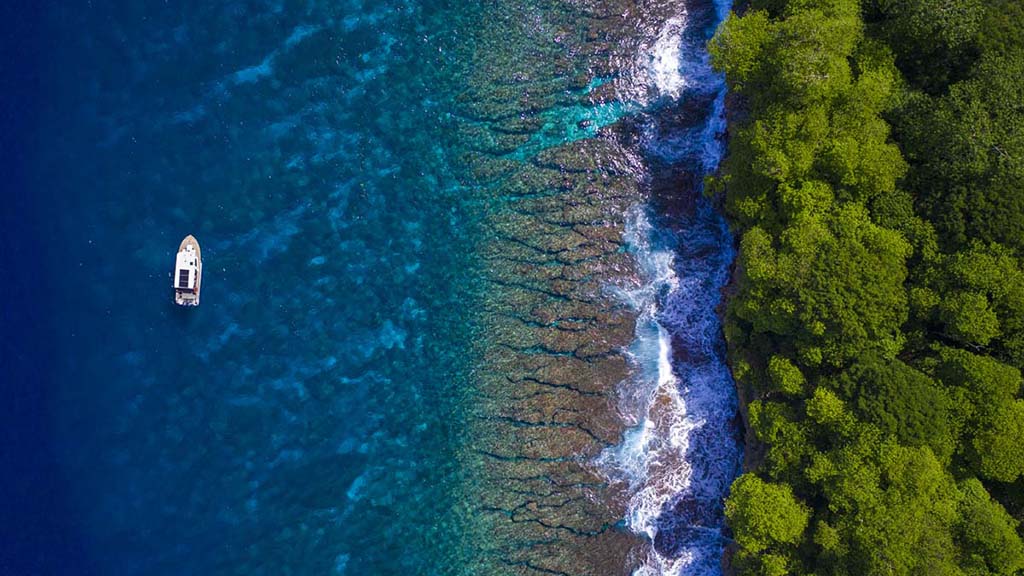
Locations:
{"points": [[876, 183]]}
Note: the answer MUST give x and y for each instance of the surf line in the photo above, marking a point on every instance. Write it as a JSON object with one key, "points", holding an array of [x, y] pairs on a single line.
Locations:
{"points": [[680, 452]]}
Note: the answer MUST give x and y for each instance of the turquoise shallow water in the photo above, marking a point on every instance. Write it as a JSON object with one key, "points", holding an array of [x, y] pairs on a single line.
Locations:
{"points": [[356, 173]]}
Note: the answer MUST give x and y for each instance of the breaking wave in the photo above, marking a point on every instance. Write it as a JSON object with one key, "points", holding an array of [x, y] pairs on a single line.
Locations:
{"points": [[682, 449], [665, 57]]}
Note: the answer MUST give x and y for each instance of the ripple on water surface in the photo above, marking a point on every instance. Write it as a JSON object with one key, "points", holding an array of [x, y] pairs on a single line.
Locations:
{"points": [[410, 353], [299, 421]]}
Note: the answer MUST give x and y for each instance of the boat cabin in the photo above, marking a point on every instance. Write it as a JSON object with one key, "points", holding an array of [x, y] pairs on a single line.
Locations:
{"points": [[186, 275]]}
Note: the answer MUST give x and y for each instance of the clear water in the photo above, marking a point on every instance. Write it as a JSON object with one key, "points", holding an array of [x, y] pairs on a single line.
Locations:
{"points": [[319, 413]]}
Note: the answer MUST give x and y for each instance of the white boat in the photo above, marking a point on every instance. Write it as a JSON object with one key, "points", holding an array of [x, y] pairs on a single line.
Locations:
{"points": [[188, 272]]}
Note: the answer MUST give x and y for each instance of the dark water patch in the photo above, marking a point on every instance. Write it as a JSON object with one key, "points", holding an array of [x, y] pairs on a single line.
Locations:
{"points": [[40, 533]]}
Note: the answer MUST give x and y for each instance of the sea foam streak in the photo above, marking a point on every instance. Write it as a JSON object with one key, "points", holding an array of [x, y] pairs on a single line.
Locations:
{"points": [[665, 57], [681, 452]]}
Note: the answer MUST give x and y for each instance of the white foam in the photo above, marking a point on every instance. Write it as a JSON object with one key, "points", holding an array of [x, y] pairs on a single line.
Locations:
{"points": [[680, 68], [671, 404], [674, 64], [679, 455], [649, 454], [665, 61]]}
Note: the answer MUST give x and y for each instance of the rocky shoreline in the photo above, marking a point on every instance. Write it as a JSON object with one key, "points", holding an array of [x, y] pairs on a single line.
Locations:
{"points": [[555, 174]]}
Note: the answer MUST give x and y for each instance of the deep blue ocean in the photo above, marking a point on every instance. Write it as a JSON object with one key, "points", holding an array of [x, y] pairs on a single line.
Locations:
{"points": [[291, 423], [304, 419]]}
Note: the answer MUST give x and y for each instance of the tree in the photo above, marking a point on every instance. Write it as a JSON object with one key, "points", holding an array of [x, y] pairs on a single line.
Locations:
{"points": [[809, 56], [901, 401], [765, 516], [989, 278], [993, 420], [987, 533], [1001, 29], [909, 531], [785, 377], [968, 318], [800, 59], [987, 381], [966, 150], [834, 286], [931, 37], [858, 158], [738, 48], [974, 297], [859, 267], [918, 26], [789, 445], [829, 412], [891, 508], [998, 440], [896, 212]]}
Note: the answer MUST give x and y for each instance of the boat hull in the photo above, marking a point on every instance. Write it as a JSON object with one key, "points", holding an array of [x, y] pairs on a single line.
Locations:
{"points": [[189, 261]]}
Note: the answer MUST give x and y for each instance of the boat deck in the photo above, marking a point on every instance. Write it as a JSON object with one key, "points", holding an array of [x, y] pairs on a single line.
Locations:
{"points": [[184, 296]]}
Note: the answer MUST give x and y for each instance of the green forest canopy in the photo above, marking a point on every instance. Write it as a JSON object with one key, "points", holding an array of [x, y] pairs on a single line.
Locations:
{"points": [[875, 179]]}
